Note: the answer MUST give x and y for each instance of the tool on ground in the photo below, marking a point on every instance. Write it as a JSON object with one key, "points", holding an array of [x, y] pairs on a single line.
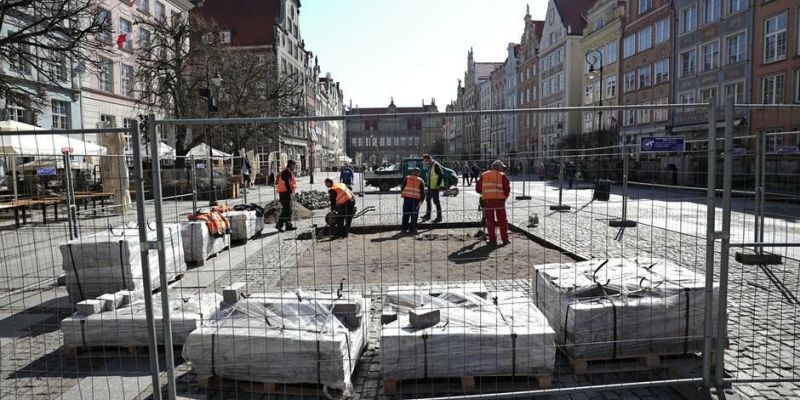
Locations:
{"points": [[481, 233]]}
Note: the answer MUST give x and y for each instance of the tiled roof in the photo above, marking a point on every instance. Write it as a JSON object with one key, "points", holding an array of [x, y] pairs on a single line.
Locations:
{"points": [[573, 13], [251, 22]]}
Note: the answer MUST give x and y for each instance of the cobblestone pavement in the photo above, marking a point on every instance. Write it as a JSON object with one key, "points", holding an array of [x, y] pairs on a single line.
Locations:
{"points": [[762, 327]]}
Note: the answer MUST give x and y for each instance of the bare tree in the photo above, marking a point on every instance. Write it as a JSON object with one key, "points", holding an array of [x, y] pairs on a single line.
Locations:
{"points": [[45, 38], [177, 64]]}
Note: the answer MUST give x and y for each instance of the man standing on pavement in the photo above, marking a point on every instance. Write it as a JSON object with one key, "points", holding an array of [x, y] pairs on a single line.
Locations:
{"points": [[494, 187], [436, 182], [346, 176], [343, 202], [413, 192], [465, 175], [287, 186]]}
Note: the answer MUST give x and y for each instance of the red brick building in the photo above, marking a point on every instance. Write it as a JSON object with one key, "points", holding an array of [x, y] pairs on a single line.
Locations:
{"points": [[527, 89]]}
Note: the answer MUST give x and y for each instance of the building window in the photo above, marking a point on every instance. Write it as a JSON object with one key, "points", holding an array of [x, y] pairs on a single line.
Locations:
{"points": [[416, 141], [689, 19], [126, 27], [17, 58], [711, 11], [588, 94], [60, 111], [644, 77], [644, 114], [735, 6], [630, 81], [160, 10], [628, 117], [736, 90], [772, 89], [611, 87], [775, 38], [706, 95], [403, 141], [644, 6], [661, 71], [143, 6], [629, 46], [15, 112], [106, 75], [661, 114], [588, 121], [645, 38], [58, 67], [104, 18], [397, 141], [611, 52], [736, 47], [127, 80], [688, 62], [687, 98], [662, 30], [710, 53], [144, 39]]}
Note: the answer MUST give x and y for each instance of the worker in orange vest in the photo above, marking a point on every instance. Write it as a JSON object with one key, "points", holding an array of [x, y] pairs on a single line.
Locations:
{"points": [[494, 187], [413, 193], [344, 203], [287, 186]]}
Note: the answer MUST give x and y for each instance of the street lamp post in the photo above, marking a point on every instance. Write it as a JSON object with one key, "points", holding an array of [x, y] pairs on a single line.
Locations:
{"points": [[593, 57], [216, 82], [560, 206]]}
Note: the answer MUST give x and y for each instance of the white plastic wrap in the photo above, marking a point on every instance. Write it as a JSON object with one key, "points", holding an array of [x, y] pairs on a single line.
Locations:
{"points": [[198, 243], [502, 334], [127, 326], [617, 308], [244, 225], [275, 338], [110, 261]]}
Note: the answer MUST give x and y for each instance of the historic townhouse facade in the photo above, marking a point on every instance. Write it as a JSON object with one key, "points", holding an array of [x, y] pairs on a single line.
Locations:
{"points": [[486, 103], [712, 58], [509, 140], [601, 45], [497, 123], [528, 86], [646, 70], [560, 69]]}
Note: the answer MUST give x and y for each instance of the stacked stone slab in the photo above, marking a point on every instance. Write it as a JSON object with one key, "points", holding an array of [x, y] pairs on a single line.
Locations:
{"points": [[618, 308], [244, 225], [478, 334], [283, 338], [110, 261], [199, 244], [127, 326]]}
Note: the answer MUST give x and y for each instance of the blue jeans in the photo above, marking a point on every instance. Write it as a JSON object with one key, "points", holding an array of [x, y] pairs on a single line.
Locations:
{"points": [[410, 214]]}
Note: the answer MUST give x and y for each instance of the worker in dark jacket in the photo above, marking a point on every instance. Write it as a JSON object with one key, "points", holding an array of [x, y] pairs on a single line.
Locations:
{"points": [[413, 192], [344, 203], [287, 186], [436, 182]]}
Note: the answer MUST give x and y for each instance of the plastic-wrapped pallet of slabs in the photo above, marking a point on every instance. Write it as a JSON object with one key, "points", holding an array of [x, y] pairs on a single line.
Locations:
{"points": [[289, 338], [110, 261], [127, 326], [244, 224], [478, 334], [620, 308], [199, 244]]}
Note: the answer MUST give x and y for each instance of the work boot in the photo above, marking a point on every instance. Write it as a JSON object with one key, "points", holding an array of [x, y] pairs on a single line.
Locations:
{"points": [[279, 228], [290, 227], [506, 242], [425, 217], [438, 219]]}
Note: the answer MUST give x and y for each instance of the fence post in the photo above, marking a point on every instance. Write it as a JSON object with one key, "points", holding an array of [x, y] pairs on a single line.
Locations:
{"points": [[727, 180], [711, 199], [561, 206], [624, 222], [763, 174], [194, 182], [141, 219], [166, 324], [244, 184], [72, 212]]}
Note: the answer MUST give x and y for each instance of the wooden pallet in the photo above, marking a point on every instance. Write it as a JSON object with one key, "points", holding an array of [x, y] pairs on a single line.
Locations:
{"points": [[296, 389], [114, 352], [629, 363], [467, 384]]}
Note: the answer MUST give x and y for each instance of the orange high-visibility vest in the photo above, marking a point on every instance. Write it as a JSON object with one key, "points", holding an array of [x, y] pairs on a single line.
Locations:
{"points": [[282, 185], [343, 194], [411, 190], [216, 223], [492, 185]]}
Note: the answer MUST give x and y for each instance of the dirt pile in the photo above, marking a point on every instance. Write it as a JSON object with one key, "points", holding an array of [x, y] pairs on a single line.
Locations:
{"points": [[273, 209], [314, 199]]}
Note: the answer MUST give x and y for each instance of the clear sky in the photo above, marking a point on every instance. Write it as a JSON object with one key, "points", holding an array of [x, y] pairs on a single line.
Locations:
{"points": [[409, 49]]}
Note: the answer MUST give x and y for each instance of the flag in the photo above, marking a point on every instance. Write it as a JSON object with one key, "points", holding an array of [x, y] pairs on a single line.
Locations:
{"points": [[121, 39]]}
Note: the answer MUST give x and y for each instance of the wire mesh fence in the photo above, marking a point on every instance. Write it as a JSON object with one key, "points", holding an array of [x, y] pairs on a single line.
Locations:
{"points": [[605, 282]]}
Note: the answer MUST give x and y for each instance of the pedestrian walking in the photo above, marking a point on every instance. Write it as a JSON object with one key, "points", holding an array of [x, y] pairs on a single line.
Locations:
{"points": [[344, 204], [245, 172], [475, 172], [346, 176], [287, 187], [466, 171], [570, 172], [495, 188], [413, 193], [436, 182]]}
